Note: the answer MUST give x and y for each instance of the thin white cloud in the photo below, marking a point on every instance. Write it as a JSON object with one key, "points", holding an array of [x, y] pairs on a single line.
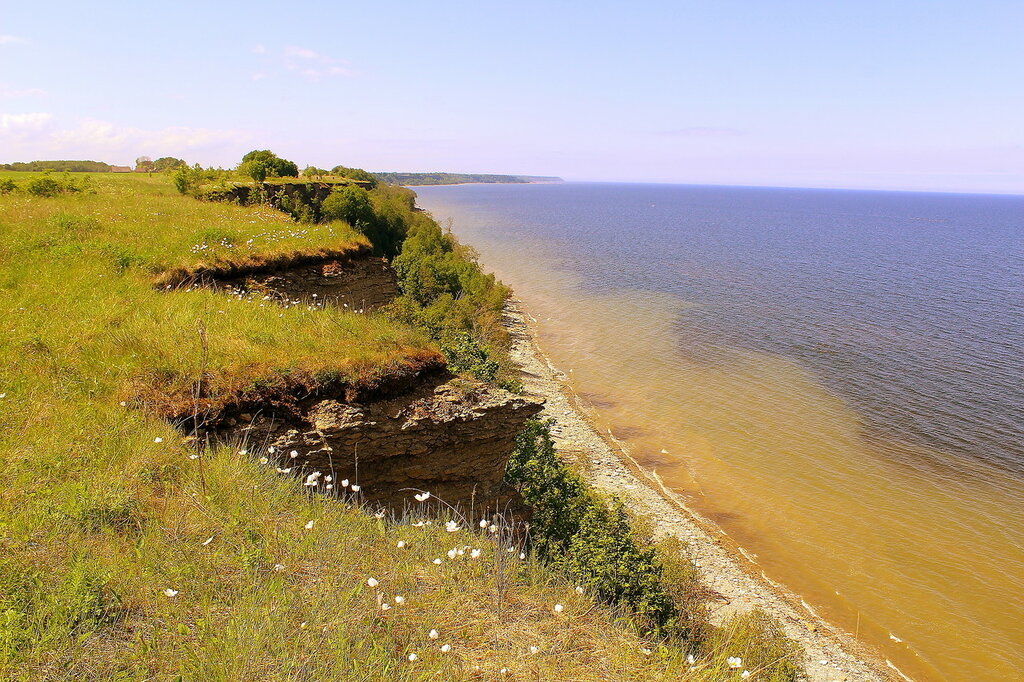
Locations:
{"points": [[301, 52], [14, 93], [34, 136], [258, 76], [12, 40], [312, 65], [259, 49]]}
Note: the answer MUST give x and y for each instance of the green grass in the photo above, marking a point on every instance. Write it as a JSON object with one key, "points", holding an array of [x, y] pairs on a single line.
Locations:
{"points": [[103, 507]]}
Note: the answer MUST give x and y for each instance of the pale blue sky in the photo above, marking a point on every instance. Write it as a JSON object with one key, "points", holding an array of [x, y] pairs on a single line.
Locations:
{"points": [[899, 94]]}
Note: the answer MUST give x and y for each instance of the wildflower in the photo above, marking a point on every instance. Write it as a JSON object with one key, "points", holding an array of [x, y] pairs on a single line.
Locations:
{"points": [[418, 524], [522, 555], [534, 649], [493, 529], [483, 523], [511, 549], [399, 599], [193, 456], [283, 471], [329, 486], [312, 479], [355, 488], [4, 395], [559, 608], [294, 454], [734, 662], [385, 607], [302, 625], [170, 593], [745, 674], [451, 553], [451, 526], [158, 439], [445, 648], [413, 657], [579, 589], [278, 567], [422, 497], [691, 659], [207, 541], [329, 478], [474, 554], [645, 651], [372, 582], [344, 483], [380, 514], [433, 634], [437, 562], [271, 449], [243, 452], [401, 544], [309, 524], [263, 460]]}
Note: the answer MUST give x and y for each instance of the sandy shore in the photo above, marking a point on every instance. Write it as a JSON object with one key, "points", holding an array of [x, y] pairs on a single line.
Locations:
{"points": [[832, 655]]}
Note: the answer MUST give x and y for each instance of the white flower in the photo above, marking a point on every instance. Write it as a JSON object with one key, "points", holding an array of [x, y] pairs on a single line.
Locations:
{"points": [[263, 460], [294, 454], [559, 608], [271, 449], [329, 478], [302, 625], [422, 497], [170, 593], [437, 562], [691, 659], [451, 526], [579, 589], [399, 599], [384, 606], [344, 483], [207, 541], [493, 529], [483, 523], [278, 567], [243, 452], [158, 439], [452, 553], [372, 582], [401, 544], [522, 555], [355, 488], [123, 403], [193, 456], [645, 652], [413, 657], [734, 662], [474, 554], [283, 471], [745, 674], [329, 486], [433, 634], [380, 514], [511, 549], [418, 524], [534, 649], [309, 524], [445, 648]]}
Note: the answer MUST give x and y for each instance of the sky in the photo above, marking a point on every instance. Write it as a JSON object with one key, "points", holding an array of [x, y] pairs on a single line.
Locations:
{"points": [[893, 94]]}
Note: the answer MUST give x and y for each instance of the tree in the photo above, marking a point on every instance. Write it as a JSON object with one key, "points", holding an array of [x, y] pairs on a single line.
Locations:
{"points": [[274, 165], [165, 163], [257, 169], [351, 204]]}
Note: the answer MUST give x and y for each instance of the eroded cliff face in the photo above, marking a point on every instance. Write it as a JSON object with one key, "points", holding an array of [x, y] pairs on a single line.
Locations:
{"points": [[359, 284], [452, 439], [420, 431]]}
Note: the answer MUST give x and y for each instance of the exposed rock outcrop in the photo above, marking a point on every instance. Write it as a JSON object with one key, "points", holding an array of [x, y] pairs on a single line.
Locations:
{"points": [[452, 439]]}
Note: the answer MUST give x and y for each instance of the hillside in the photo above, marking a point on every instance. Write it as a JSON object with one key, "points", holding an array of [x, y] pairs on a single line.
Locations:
{"points": [[164, 515]]}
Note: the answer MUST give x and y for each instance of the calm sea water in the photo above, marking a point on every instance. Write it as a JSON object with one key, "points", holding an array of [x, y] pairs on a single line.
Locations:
{"points": [[835, 377]]}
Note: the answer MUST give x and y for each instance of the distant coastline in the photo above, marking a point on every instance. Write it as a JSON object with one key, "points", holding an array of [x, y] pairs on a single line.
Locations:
{"points": [[420, 179]]}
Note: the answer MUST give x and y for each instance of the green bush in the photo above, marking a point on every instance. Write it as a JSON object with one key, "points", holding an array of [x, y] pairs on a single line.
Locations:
{"points": [[275, 166], [587, 537], [7, 186]]}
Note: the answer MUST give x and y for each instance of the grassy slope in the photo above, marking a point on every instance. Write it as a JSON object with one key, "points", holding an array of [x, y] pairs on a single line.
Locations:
{"points": [[102, 508]]}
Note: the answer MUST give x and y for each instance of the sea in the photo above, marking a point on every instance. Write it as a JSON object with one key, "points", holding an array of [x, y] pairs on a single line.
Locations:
{"points": [[834, 377]]}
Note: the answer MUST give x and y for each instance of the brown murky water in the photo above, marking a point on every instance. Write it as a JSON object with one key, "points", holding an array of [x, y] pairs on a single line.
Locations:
{"points": [[917, 552]]}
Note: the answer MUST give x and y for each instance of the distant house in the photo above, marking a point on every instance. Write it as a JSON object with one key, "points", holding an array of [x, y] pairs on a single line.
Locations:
{"points": [[120, 169]]}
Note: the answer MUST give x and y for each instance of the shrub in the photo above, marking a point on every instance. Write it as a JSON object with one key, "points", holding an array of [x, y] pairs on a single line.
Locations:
{"points": [[7, 186], [274, 165], [43, 186]]}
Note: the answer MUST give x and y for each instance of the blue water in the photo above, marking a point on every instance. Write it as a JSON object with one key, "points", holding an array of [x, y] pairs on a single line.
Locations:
{"points": [[909, 306]]}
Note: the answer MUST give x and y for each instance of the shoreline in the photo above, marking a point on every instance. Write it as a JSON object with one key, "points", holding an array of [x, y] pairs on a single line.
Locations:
{"points": [[831, 654]]}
